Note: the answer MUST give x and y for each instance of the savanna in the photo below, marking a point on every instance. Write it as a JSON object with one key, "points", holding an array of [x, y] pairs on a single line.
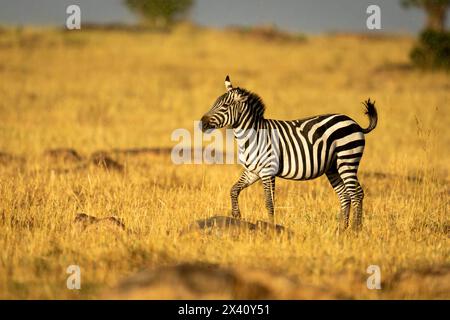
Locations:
{"points": [[74, 106]]}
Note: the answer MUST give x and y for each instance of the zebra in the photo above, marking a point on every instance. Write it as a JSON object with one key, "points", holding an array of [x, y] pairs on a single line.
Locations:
{"points": [[303, 149]]}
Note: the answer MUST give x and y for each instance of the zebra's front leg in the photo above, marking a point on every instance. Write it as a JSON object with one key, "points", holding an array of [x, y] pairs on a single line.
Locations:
{"points": [[247, 178], [269, 192]]}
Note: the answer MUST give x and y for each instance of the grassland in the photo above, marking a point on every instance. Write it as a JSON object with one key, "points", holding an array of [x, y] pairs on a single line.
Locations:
{"points": [[101, 90]]}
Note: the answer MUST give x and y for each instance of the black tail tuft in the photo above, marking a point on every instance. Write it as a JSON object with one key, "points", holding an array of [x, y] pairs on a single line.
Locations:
{"points": [[371, 112]]}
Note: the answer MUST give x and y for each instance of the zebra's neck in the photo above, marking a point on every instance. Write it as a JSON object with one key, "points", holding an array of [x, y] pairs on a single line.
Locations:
{"points": [[251, 123], [251, 114], [247, 131]]}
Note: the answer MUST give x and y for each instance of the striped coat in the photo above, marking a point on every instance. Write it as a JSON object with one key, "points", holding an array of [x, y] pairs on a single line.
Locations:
{"points": [[297, 149]]}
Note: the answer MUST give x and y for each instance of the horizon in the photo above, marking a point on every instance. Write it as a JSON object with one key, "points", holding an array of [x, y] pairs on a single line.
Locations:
{"points": [[307, 16]]}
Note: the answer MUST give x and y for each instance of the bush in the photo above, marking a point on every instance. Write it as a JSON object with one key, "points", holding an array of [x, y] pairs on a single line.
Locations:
{"points": [[432, 51], [160, 13]]}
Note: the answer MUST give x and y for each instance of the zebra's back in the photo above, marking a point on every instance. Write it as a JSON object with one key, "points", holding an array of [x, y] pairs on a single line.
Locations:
{"points": [[307, 148]]}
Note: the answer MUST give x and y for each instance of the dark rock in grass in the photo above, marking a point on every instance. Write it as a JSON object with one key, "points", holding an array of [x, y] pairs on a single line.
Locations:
{"points": [[63, 154], [266, 226], [86, 221], [230, 223], [6, 158], [211, 281], [224, 222], [142, 151], [102, 160]]}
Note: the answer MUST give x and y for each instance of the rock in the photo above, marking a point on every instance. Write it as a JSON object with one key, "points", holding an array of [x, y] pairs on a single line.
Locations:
{"points": [[63, 154], [228, 223], [83, 218], [6, 158], [86, 221], [266, 226], [143, 151], [408, 283], [210, 281], [102, 160]]}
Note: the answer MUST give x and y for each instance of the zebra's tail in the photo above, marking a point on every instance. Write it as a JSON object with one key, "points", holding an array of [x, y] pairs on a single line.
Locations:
{"points": [[371, 112]]}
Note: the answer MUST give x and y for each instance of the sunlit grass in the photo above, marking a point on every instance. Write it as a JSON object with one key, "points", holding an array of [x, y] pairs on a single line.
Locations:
{"points": [[99, 90]]}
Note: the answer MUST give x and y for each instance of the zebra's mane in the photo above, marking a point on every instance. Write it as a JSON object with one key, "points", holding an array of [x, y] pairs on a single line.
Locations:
{"points": [[254, 102]]}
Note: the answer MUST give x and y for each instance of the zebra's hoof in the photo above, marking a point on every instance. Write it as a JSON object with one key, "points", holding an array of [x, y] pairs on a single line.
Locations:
{"points": [[341, 229], [236, 215]]}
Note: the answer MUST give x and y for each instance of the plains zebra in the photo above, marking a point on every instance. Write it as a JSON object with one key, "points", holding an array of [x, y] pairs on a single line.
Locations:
{"points": [[304, 149]]}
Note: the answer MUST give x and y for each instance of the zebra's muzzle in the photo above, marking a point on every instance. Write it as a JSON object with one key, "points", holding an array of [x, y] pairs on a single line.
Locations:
{"points": [[205, 124]]}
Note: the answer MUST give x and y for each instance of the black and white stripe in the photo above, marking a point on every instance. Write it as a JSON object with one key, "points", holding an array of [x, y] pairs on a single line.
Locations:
{"points": [[302, 149]]}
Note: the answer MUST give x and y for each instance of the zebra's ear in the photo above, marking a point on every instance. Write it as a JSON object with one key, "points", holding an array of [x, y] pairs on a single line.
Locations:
{"points": [[228, 84]]}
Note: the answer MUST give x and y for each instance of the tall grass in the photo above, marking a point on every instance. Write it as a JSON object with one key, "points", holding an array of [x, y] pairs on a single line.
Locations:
{"points": [[99, 90]]}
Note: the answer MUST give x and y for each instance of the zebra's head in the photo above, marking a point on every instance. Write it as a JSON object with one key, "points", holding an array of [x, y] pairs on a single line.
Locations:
{"points": [[227, 108]]}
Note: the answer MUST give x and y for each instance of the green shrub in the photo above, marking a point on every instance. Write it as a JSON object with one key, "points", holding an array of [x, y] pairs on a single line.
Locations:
{"points": [[160, 13], [432, 50]]}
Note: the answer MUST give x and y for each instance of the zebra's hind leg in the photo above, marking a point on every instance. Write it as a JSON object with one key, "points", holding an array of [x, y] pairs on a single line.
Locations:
{"points": [[338, 185], [246, 179], [357, 197], [347, 164], [269, 192], [356, 193]]}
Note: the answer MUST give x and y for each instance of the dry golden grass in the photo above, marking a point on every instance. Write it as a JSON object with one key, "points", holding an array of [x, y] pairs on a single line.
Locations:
{"points": [[99, 90]]}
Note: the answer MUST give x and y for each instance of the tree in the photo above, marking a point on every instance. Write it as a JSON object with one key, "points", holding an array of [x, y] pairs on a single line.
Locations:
{"points": [[432, 50], [436, 11], [160, 13]]}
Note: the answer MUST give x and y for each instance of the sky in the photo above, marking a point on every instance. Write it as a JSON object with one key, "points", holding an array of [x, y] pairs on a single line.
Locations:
{"points": [[309, 16]]}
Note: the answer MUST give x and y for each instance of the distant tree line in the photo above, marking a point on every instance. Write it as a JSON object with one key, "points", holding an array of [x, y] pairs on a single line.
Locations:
{"points": [[160, 13]]}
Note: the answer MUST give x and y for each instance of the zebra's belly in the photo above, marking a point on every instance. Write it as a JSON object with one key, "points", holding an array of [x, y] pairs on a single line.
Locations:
{"points": [[300, 178], [305, 161]]}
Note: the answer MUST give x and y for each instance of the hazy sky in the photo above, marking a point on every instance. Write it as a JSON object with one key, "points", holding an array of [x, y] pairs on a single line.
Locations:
{"points": [[294, 15]]}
